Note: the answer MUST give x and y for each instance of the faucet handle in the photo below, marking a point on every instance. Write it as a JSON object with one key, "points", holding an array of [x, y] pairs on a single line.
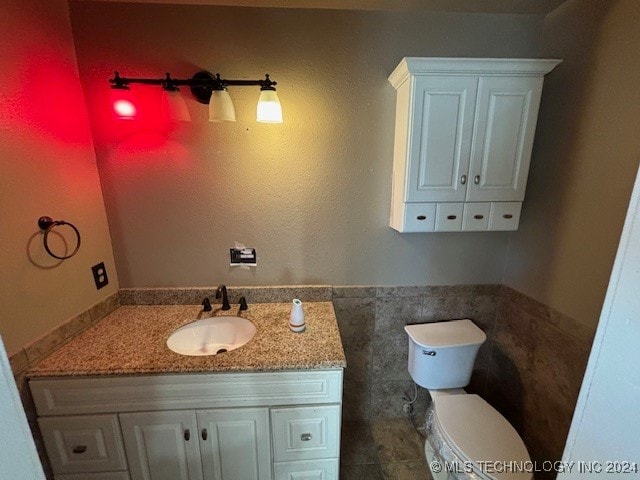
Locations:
{"points": [[243, 303], [206, 305]]}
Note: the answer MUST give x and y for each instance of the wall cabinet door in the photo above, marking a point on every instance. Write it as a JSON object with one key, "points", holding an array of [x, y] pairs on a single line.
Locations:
{"points": [[162, 445], [235, 444], [506, 114], [440, 130]]}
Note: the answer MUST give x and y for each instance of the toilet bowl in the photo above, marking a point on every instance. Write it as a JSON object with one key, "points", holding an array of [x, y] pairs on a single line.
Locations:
{"points": [[467, 437]]}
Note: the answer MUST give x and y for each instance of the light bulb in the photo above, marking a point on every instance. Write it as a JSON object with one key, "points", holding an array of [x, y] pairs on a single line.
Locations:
{"points": [[122, 104], [269, 109], [221, 107], [174, 107]]}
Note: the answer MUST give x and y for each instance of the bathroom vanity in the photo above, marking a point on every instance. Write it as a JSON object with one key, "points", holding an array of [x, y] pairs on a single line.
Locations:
{"points": [[116, 403]]}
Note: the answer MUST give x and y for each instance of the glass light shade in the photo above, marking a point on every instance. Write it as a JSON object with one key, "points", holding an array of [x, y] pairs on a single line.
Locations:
{"points": [[174, 107], [269, 108], [221, 107], [123, 106]]}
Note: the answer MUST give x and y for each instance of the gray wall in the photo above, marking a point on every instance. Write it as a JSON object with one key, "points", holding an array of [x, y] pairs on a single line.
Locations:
{"points": [[312, 195], [585, 158]]}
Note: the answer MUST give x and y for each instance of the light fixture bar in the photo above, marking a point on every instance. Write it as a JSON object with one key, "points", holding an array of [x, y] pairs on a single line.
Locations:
{"points": [[202, 79], [202, 85]]}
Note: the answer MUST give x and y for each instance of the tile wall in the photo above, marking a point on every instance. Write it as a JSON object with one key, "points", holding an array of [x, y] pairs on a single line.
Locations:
{"points": [[537, 363], [371, 321]]}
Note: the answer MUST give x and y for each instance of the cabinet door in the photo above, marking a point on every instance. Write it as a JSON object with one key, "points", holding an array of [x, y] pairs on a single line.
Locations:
{"points": [[162, 445], [506, 114], [235, 443], [440, 131]]}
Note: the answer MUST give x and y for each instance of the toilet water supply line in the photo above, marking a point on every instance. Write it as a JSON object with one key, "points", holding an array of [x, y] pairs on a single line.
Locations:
{"points": [[407, 408]]}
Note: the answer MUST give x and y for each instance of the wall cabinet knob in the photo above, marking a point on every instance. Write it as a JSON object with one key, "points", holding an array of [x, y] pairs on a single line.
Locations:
{"points": [[463, 179], [476, 179], [187, 434], [80, 449], [205, 434], [305, 437]]}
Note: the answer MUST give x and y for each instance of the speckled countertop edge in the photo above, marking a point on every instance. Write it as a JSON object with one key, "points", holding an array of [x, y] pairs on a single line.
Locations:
{"points": [[132, 340]]}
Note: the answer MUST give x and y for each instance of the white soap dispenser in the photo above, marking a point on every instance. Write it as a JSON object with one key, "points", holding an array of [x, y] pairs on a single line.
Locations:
{"points": [[296, 320]]}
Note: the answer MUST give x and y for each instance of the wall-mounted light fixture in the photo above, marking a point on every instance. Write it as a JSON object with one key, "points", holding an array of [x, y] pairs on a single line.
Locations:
{"points": [[206, 88]]}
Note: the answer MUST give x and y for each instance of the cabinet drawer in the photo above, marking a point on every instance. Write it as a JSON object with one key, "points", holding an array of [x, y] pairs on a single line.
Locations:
{"points": [[303, 433], [80, 444], [94, 476], [419, 217], [310, 470], [504, 215], [449, 217], [475, 217]]}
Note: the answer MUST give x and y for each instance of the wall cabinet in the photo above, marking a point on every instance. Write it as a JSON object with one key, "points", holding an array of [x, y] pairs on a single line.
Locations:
{"points": [[248, 426], [463, 139]]}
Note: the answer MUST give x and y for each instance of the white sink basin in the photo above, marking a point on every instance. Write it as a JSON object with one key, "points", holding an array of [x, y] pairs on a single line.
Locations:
{"points": [[211, 336]]}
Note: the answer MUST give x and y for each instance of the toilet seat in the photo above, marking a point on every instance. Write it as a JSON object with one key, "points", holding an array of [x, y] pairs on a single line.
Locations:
{"points": [[481, 436]]}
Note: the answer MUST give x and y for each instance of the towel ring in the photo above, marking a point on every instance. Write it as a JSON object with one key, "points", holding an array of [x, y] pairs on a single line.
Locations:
{"points": [[47, 224]]}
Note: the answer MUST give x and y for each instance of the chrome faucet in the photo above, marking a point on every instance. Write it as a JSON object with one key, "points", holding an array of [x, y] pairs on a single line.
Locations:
{"points": [[222, 290]]}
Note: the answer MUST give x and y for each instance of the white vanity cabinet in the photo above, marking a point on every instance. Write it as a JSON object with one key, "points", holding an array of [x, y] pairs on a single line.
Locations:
{"points": [[464, 133], [221, 426]]}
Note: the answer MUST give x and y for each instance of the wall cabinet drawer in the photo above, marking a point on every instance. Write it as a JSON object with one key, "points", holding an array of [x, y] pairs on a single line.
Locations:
{"points": [[82, 444], [94, 476], [449, 217], [419, 217], [475, 217], [504, 216], [304, 433], [327, 469]]}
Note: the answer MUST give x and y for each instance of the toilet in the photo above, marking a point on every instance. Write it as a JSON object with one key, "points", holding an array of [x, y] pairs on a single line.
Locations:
{"points": [[467, 437]]}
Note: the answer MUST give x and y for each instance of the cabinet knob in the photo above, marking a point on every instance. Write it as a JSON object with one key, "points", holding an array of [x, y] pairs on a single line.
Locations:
{"points": [[187, 434], [451, 217], [205, 434], [421, 217], [507, 216], [463, 179], [305, 437], [476, 179], [478, 217], [80, 449]]}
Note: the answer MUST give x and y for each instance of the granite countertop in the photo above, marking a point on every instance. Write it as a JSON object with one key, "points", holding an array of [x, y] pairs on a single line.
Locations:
{"points": [[132, 340]]}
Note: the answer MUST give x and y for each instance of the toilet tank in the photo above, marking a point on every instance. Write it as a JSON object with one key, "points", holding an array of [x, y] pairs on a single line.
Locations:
{"points": [[442, 354]]}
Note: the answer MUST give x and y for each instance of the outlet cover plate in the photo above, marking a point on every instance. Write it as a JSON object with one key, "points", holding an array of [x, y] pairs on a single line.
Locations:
{"points": [[100, 275]]}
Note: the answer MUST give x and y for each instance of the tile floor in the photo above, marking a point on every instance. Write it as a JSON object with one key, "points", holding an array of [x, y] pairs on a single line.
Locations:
{"points": [[382, 449]]}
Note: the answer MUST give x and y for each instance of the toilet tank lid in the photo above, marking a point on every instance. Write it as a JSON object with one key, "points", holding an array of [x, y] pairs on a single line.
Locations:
{"points": [[453, 333]]}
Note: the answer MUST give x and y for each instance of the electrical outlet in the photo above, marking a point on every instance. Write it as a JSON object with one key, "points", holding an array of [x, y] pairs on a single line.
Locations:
{"points": [[100, 275]]}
